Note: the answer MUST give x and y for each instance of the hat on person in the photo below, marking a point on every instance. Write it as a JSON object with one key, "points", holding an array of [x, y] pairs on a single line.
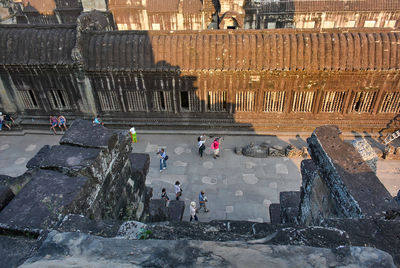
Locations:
{"points": [[193, 204]]}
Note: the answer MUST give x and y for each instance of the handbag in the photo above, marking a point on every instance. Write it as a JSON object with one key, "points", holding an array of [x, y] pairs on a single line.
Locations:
{"points": [[166, 157]]}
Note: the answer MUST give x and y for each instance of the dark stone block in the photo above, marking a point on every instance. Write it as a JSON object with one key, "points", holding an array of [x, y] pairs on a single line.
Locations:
{"points": [[37, 160], [311, 236], [87, 134], [289, 199], [140, 164], [317, 201], [158, 210], [15, 250], [66, 158], [176, 209], [356, 189], [6, 195], [80, 223], [289, 202], [255, 151], [40, 202], [377, 233], [275, 213]]}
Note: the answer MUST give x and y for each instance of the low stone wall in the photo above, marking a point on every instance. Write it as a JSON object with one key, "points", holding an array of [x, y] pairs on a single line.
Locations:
{"points": [[353, 189]]}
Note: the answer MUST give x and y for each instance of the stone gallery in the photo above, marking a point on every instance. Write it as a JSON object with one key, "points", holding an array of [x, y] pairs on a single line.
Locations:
{"points": [[179, 75], [257, 66]]}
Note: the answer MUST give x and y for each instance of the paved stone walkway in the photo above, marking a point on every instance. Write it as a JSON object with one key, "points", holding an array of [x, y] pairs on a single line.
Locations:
{"points": [[236, 186]]}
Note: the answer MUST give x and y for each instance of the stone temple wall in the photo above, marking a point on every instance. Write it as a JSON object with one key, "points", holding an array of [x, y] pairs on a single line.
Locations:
{"points": [[92, 173], [338, 183]]}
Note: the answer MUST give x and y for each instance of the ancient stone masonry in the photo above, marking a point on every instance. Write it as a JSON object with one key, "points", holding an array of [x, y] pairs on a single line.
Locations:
{"points": [[340, 184], [162, 15], [340, 194], [283, 80], [321, 14], [46, 11], [90, 174], [153, 253]]}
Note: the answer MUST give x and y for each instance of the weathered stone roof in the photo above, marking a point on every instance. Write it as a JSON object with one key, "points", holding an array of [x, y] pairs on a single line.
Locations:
{"points": [[283, 49], [36, 45], [325, 5]]}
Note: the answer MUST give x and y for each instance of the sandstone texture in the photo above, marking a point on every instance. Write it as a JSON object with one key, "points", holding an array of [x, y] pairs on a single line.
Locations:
{"points": [[367, 153], [92, 173], [39, 203], [160, 210], [67, 249], [354, 187], [6, 195]]}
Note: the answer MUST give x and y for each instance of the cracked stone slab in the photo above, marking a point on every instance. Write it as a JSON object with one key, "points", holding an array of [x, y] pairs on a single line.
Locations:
{"points": [[40, 202], [65, 157], [86, 134]]}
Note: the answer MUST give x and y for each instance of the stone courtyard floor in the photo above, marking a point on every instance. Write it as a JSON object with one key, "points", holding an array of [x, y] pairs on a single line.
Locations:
{"points": [[237, 187]]}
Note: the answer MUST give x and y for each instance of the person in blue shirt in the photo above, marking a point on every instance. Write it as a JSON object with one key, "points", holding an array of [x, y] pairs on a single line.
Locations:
{"points": [[97, 120], [202, 201], [163, 159]]}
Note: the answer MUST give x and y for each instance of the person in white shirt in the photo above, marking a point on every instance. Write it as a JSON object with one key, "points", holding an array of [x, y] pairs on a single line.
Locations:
{"points": [[193, 211], [178, 190], [201, 143]]}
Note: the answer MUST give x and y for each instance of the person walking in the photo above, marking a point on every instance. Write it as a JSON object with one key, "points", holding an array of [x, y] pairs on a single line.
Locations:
{"points": [[164, 196], [163, 159], [1, 121], [178, 190], [62, 122], [215, 147], [201, 144], [53, 123], [133, 134], [202, 201], [193, 211]]}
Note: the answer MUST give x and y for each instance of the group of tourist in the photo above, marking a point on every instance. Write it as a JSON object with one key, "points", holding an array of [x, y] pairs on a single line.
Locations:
{"points": [[60, 121], [201, 140], [214, 146], [6, 120], [193, 206]]}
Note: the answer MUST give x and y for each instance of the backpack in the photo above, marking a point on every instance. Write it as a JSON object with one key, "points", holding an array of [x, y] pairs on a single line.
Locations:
{"points": [[166, 157]]}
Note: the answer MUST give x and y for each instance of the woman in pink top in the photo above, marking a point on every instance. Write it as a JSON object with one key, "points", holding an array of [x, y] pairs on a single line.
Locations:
{"points": [[215, 147]]}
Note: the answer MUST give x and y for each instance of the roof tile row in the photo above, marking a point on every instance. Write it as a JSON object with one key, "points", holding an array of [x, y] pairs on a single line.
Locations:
{"points": [[251, 50], [36, 45]]}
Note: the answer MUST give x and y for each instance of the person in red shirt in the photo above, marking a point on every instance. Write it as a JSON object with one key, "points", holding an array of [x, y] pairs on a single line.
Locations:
{"points": [[215, 147]]}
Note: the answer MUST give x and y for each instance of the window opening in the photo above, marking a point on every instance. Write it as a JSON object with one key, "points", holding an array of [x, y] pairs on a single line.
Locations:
{"points": [[362, 102]]}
